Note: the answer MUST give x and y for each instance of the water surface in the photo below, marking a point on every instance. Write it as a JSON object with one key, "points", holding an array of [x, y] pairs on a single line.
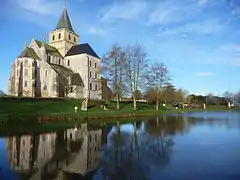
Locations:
{"points": [[199, 145]]}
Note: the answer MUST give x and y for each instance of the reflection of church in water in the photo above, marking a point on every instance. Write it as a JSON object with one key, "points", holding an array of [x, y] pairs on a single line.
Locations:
{"points": [[41, 156]]}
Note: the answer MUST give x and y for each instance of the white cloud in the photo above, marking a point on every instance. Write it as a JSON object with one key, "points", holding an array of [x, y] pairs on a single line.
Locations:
{"points": [[97, 31], [231, 47], [173, 11], [205, 74], [202, 2], [127, 10], [209, 26], [40, 6]]}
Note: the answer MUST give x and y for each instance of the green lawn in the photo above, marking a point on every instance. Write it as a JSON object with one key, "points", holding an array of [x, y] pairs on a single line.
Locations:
{"points": [[20, 116], [50, 108], [63, 107]]}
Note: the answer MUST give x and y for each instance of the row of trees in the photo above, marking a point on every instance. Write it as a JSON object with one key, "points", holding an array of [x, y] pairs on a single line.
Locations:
{"points": [[128, 71], [168, 94]]}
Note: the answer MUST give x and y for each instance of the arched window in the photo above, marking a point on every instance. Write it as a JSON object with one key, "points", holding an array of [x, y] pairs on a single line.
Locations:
{"points": [[90, 86], [59, 36], [90, 74], [59, 61], [95, 86], [53, 37], [96, 75], [25, 72], [25, 84], [26, 62], [95, 65], [69, 37], [74, 39], [90, 63], [68, 62], [45, 86], [46, 73]]}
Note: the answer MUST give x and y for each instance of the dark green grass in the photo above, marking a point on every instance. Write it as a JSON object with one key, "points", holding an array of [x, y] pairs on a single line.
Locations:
{"points": [[12, 109]]}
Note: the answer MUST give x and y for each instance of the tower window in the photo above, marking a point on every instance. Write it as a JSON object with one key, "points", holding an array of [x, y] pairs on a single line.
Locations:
{"points": [[90, 86], [17, 72], [26, 72], [49, 58], [26, 62], [69, 37], [59, 61], [90, 74], [53, 37], [90, 64], [95, 86], [59, 36], [74, 39], [96, 75], [46, 73], [68, 62], [95, 65], [25, 83]]}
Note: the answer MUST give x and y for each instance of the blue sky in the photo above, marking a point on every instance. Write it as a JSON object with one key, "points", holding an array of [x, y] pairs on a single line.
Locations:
{"points": [[199, 40]]}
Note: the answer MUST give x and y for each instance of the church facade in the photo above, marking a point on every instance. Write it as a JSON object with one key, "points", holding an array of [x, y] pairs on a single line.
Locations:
{"points": [[60, 68]]}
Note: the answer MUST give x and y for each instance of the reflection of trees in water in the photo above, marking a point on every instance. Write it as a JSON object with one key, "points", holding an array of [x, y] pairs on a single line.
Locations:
{"points": [[157, 141], [122, 160]]}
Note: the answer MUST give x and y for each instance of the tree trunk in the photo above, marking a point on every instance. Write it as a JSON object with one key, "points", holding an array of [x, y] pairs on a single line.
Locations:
{"points": [[157, 100], [117, 98], [134, 104]]}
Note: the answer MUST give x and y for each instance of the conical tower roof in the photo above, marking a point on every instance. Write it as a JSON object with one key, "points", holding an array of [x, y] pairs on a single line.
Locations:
{"points": [[64, 21]]}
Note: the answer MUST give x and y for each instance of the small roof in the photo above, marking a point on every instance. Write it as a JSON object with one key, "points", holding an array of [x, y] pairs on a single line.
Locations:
{"points": [[29, 52], [50, 49], [76, 79], [63, 71], [82, 49], [64, 21]]}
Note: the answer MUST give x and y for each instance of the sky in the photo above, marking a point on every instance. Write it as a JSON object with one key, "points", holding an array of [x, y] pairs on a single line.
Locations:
{"points": [[198, 40]]}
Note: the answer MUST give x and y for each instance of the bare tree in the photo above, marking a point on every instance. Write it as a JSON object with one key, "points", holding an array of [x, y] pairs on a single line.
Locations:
{"points": [[69, 89], [138, 94], [136, 71], [228, 95], [158, 76], [112, 69]]}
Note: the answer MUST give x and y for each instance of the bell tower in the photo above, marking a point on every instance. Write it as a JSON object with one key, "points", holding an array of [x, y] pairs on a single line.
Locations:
{"points": [[63, 37]]}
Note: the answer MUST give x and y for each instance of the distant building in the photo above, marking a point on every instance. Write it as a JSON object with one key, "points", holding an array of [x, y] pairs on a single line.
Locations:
{"points": [[61, 68]]}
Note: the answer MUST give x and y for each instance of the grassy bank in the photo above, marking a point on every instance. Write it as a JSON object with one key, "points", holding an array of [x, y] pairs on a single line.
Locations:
{"points": [[62, 110], [19, 117]]}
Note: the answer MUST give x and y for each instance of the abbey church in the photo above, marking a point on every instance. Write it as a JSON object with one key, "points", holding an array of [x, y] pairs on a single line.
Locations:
{"points": [[60, 68]]}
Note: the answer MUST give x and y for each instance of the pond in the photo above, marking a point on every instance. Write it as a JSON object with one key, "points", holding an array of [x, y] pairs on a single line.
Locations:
{"points": [[196, 145]]}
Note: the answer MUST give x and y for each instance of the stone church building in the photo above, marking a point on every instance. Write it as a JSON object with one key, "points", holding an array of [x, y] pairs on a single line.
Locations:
{"points": [[61, 68]]}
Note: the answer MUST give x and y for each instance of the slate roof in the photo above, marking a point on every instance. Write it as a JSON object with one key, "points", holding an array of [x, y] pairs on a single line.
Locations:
{"points": [[76, 79], [29, 52], [64, 21], [81, 49], [50, 49], [61, 70], [65, 72]]}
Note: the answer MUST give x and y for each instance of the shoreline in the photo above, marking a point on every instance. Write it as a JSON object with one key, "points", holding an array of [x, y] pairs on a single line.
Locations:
{"points": [[54, 122], [93, 116]]}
